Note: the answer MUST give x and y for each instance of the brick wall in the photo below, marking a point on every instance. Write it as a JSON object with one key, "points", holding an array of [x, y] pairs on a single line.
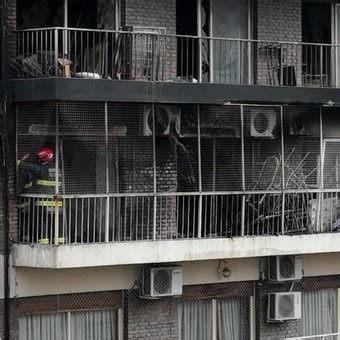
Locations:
{"points": [[152, 319], [279, 20], [151, 13], [11, 22], [155, 13], [277, 330]]}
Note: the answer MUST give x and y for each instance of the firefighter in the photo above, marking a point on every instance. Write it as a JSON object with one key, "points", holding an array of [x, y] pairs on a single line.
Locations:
{"points": [[41, 179]]}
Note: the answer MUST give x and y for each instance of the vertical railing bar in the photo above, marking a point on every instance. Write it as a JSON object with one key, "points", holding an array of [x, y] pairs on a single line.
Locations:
{"points": [[243, 169], [148, 219], [136, 199], [82, 222], [194, 213], [107, 178], [221, 215], [88, 220], [188, 218], [199, 231], [30, 224], [125, 217], [227, 214], [70, 221], [160, 215], [183, 224], [166, 217], [94, 219], [56, 199], [76, 221], [177, 216], [113, 199], [119, 217], [205, 215], [131, 217], [199, 32], [322, 160], [154, 172], [321, 66], [56, 48], [283, 186], [142, 226]]}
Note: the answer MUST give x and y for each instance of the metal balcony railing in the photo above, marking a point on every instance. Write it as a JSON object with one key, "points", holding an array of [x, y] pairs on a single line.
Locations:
{"points": [[83, 53], [175, 216]]}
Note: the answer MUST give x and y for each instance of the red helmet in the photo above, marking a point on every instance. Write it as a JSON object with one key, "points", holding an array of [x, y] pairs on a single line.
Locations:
{"points": [[45, 154]]}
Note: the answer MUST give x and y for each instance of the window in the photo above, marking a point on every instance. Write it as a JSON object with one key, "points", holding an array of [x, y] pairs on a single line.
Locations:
{"points": [[84, 325], [215, 319], [319, 312]]}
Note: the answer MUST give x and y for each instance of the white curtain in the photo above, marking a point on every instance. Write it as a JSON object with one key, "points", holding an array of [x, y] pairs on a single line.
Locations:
{"points": [[94, 325], [195, 320], [233, 319], [43, 327], [319, 312]]}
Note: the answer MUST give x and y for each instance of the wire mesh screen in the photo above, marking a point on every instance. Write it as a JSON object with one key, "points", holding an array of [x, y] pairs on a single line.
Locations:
{"points": [[262, 148], [131, 151], [36, 128], [221, 148], [188, 149], [302, 147], [82, 147]]}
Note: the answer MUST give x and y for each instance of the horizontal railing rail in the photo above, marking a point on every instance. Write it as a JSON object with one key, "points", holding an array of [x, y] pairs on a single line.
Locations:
{"points": [[154, 56], [85, 219], [331, 336]]}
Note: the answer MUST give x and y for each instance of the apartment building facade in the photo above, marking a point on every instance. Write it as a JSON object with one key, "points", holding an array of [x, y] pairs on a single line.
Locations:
{"points": [[195, 173]]}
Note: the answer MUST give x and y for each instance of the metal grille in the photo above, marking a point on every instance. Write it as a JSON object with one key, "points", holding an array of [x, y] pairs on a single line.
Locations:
{"points": [[36, 128], [220, 131], [82, 147], [262, 148]]}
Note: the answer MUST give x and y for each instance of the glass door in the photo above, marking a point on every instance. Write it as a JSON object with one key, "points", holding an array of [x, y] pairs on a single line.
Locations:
{"points": [[230, 20]]}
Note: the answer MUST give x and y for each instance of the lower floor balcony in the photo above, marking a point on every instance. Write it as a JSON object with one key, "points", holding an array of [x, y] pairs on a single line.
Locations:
{"points": [[176, 182]]}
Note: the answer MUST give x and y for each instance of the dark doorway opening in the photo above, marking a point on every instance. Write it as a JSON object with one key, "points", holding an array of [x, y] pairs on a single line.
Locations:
{"points": [[49, 13], [316, 29], [187, 48], [316, 23]]}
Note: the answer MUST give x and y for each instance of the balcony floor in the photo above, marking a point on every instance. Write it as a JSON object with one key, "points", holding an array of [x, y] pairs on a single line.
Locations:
{"points": [[143, 252], [165, 92]]}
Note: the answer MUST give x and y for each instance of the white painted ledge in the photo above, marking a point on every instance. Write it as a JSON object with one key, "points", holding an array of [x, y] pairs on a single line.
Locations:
{"points": [[109, 254]]}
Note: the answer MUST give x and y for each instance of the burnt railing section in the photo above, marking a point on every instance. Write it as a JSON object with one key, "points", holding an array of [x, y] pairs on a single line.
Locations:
{"points": [[152, 56], [123, 218]]}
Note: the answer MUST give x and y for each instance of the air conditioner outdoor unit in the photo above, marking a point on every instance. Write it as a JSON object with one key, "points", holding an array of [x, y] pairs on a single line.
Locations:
{"points": [[284, 268], [262, 124], [284, 306], [158, 282], [165, 118]]}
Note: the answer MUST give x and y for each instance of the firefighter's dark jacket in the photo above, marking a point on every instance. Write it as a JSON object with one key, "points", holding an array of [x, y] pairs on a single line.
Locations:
{"points": [[40, 177]]}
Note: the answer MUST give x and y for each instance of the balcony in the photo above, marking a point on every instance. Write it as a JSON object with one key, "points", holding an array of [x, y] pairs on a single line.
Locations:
{"points": [[153, 56], [167, 183], [143, 66]]}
